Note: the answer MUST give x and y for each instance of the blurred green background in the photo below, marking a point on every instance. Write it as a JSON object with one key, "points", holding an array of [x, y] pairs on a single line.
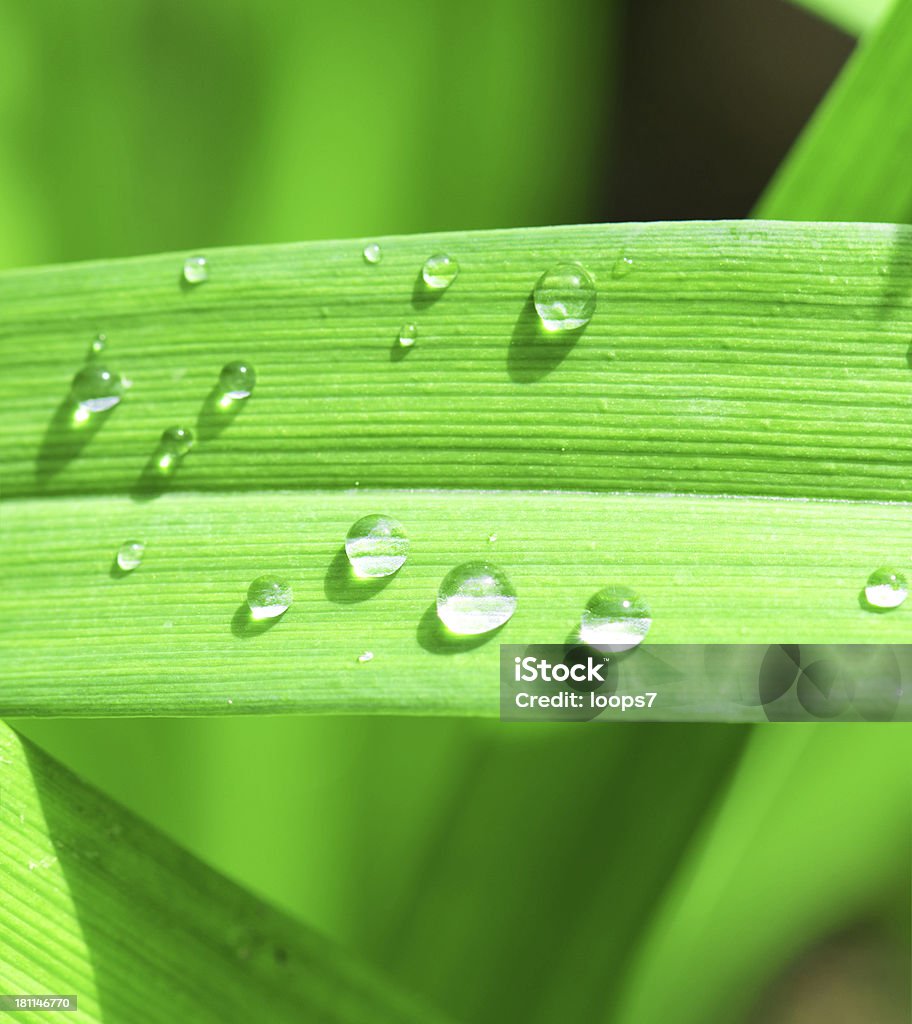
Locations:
{"points": [[638, 873]]}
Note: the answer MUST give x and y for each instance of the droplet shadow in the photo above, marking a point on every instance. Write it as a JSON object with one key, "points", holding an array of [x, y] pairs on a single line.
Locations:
{"points": [[423, 296], [245, 626], [535, 352], [184, 284], [216, 413], [115, 572], [398, 351], [153, 481], [342, 586], [65, 438], [437, 639]]}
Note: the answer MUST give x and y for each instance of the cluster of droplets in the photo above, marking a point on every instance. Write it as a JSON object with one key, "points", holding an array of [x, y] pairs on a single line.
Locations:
{"points": [[437, 274], [475, 597]]}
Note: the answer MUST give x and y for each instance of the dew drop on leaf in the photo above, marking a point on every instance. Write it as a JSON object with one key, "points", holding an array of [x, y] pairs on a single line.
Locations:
{"points": [[886, 588], [174, 444], [268, 597], [622, 266], [440, 271], [237, 380], [130, 555], [615, 619], [408, 333], [475, 597], [565, 297], [372, 253], [376, 546], [196, 270], [95, 388]]}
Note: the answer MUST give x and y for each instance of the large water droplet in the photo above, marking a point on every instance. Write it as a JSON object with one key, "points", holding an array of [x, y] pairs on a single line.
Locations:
{"points": [[440, 271], [174, 444], [376, 546], [130, 555], [268, 597], [408, 334], [565, 297], [475, 597], [886, 588], [615, 619], [237, 380], [372, 253], [196, 270], [96, 388]]}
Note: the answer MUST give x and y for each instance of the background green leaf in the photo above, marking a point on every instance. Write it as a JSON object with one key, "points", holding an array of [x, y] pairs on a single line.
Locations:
{"points": [[850, 162], [98, 905], [853, 16]]}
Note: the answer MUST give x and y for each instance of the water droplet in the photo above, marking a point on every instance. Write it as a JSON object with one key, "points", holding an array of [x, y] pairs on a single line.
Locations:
{"points": [[376, 546], [565, 297], [366, 656], [96, 388], [174, 444], [475, 597], [408, 334], [268, 597], [237, 380], [196, 270], [886, 588], [622, 266], [440, 271], [492, 537], [130, 555], [615, 619], [98, 345], [372, 253]]}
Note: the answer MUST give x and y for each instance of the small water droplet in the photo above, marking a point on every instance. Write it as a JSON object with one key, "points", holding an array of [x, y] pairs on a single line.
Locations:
{"points": [[622, 266], [268, 597], [376, 546], [475, 597], [615, 619], [130, 555], [440, 271], [886, 588], [366, 656], [408, 334], [230, 701], [196, 270], [95, 388], [237, 380], [492, 537], [174, 444], [372, 253], [98, 345], [565, 297]]}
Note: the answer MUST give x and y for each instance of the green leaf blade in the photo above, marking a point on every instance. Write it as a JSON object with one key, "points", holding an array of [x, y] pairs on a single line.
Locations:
{"points": [[734, 360], [98, 904]]}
